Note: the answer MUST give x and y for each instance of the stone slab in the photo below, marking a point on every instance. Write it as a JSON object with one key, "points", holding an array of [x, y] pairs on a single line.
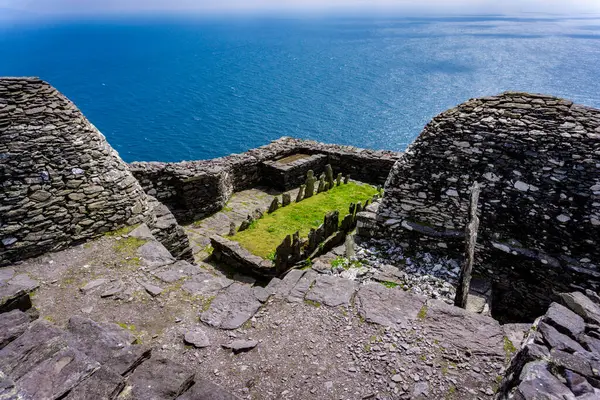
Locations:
{"points": [[206, 285], [12, 325], [232, 307], [288, 282], [157, 378], [302, 287], [109, 344], [388, 306], [206, 390], [177, 271], [332, 291], [54, 377], [453, 326], [102, 384], [564, 320], [155, 255], [41, 341], [197, 338]]}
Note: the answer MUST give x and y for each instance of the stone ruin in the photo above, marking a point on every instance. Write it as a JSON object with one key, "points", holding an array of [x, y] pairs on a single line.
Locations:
{"points": [[293, 250], [61, 182], [538, 160], [196, 189]]}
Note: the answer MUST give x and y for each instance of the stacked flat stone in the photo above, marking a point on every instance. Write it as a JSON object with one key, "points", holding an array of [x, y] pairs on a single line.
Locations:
{"points": [[61, 182], [560, 358], [538, 158]]}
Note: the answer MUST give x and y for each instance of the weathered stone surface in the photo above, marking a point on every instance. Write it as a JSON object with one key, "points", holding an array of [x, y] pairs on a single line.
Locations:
{"points": [[578, 384], [539, 383], [302, 286], [197, 338], [206, 390], [109, 344], [157, 378], [582, 305], [12, 325], [232, 307], [300, 195], [332, 291], [388, 307], [289, 281], [231, 253], [40, 341], [474, 333], [285, 199], [564, 320], [558, 341], [15, 290], [93, 285], [155, 255], [263, 294], [205, 285], [102, 384], [142, 232], [177, 271], [54, 377], [241, 345], [153, 290]]}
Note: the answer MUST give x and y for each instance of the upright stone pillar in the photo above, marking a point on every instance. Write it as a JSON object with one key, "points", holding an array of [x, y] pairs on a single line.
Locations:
{"points": [[285, 199], [329, 176], [300, 195], [338, 179], [310, 184], [464, 279], [274, 205]]}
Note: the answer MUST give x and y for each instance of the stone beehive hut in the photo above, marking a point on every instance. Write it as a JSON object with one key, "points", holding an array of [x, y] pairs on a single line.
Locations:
{"points": [[60, 181], [538, 158]]}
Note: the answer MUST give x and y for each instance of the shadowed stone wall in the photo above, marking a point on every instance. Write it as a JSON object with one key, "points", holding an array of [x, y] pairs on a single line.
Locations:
{"points": [[538, 158], [60, 181], [195, 189]]}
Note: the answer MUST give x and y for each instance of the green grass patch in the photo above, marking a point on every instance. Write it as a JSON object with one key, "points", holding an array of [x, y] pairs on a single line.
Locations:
{"points": [[120, 232], [422, 312], [128, 248], [509, 348], [312, 303], [265, 234], [389, 285]]}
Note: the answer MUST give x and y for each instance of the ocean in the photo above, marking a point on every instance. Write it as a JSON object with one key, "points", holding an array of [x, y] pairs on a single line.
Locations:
{"points": [[185, 88]]}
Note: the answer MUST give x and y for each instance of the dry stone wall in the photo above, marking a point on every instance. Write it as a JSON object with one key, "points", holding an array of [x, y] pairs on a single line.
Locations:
{"points": [[60, 181], [538, 159], [195, 189]]}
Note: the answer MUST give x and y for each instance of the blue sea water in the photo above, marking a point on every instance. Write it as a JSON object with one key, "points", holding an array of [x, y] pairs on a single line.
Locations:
{"points": [[182, 88]]}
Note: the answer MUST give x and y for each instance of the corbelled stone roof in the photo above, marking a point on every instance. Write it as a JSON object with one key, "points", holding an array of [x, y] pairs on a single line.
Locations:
{"points": [[538, 158], [60, 180]]}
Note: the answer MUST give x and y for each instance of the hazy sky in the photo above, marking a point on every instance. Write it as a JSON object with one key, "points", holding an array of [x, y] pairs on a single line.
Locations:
{"points": [[408, 6]]}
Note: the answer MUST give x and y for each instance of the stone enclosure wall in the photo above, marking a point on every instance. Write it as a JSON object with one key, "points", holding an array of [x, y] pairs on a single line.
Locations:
{"points": [[538, 160], [195, 189], [60, 181]]}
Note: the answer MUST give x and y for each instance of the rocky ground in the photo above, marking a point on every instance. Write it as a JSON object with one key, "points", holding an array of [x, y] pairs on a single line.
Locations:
{"points": [[310, 335]]}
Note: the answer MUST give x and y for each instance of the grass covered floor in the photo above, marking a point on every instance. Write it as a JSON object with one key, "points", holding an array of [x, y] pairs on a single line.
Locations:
{"points": [[265, 234]]}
